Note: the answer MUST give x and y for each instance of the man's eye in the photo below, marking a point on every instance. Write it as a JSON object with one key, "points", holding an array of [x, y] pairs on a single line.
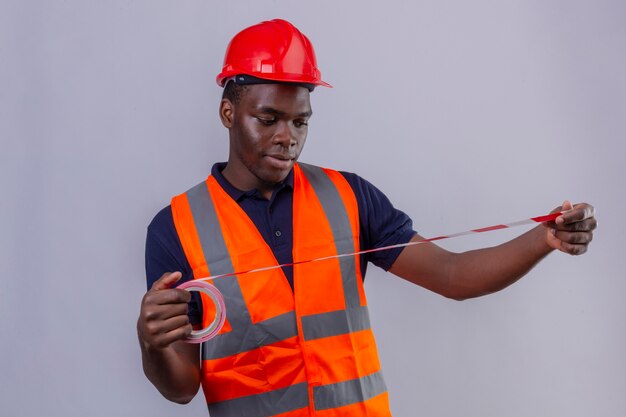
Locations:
{"points": [[266, 122], [300, 123]]}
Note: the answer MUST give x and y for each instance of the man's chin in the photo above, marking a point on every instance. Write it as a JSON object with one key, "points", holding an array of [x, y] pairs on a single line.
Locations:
{"points": [[273, 177]]}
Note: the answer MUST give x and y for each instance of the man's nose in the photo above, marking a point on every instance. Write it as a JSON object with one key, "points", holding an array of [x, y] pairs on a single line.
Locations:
{"points": [[284, 134]]}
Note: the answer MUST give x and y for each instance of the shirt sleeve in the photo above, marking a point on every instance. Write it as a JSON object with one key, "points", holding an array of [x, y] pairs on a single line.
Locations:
{"points": [[381, 224], [164, 253]]}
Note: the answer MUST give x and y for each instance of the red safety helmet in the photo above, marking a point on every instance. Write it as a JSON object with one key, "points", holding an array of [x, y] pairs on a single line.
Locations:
{"points": [[275, 50]]}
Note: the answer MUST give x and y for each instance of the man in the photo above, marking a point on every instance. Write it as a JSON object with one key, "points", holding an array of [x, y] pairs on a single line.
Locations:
{"points": [[297, 341]]}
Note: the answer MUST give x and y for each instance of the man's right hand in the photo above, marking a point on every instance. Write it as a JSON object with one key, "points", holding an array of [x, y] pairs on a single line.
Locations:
{"points": [[172, 365], [163, 316]]}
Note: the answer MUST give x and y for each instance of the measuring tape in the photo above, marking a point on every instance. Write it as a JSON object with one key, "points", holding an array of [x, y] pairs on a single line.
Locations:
{"points": [[201, 284]]}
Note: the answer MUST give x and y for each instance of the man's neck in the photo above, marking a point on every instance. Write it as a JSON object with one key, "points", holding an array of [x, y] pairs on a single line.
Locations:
{"points": [[234, 177]]}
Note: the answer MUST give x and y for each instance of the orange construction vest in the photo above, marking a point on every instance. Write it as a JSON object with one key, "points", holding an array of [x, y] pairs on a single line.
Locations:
{"points": [[309, 351]]}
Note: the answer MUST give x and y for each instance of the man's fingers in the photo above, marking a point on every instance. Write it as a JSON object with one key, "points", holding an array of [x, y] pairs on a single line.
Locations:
{"points": [[156, 328], [580, 238], [167, 338], [582, 220], [163, 317], [587, 225], [582, 212], [167, 280], [160, 325], [175, 322], [572, 231], [566, 206], [577, 213], [573, 249], [164, 312], [167, 296], [172, 296]]}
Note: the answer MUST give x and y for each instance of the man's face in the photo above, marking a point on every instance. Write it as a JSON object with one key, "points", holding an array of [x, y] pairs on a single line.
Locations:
{"points": [[268, 128]]}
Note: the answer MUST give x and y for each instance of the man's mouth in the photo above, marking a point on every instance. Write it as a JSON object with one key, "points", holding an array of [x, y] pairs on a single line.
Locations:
{"points": [[280, 161]]}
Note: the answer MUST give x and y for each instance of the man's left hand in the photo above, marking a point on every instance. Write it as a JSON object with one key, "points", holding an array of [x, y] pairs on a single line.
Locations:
{"points": [[572, 231]]}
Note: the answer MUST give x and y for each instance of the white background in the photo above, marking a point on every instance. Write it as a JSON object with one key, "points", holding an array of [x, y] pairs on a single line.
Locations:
{"points": [[465, 114]]}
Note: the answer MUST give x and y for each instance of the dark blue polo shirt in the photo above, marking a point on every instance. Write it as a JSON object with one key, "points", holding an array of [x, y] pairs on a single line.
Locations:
{"points": [[380, 225]]}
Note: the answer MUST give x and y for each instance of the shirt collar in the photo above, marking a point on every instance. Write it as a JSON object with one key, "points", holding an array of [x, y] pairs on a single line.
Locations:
{"points": [[237, 194]]}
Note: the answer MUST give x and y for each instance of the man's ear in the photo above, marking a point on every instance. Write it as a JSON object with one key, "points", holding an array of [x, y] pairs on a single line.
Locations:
{"points": [[227, 110]]}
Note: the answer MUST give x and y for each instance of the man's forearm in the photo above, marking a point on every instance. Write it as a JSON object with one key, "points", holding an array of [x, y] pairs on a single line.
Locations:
{"points": [[484, 271], [172, 370]]}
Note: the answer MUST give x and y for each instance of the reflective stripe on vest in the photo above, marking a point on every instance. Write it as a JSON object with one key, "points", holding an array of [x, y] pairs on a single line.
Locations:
{"points": [[338, 218], [355, 317], [243, 335], [268, 403], [215, 253], [349, 392], [302, 355], [296, 397]]}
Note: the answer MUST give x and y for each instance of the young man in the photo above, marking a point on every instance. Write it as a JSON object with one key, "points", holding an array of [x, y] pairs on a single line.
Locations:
{"points": [[297, 340]]}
